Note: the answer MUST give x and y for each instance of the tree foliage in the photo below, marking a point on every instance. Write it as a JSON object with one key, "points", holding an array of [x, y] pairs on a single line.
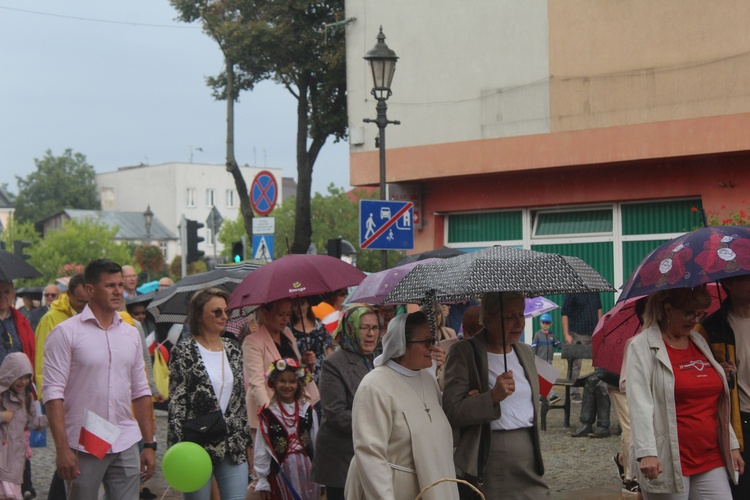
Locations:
{"points": [[59, 182], [78, 242], [298, 44]]}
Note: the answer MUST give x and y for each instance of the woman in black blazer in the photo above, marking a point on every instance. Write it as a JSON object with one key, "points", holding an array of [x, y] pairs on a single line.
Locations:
{"points": [[358, 333], [206, 376]]}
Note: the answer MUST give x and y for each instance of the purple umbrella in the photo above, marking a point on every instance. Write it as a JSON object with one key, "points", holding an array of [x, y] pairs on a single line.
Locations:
{"points": [[537, 306], [375, 287]]}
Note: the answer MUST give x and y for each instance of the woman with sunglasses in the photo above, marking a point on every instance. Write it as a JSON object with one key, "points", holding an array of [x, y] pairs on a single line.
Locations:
{"points": [[206, 380], [682, 441], [499, 420], [358, 333], [402, 440]]}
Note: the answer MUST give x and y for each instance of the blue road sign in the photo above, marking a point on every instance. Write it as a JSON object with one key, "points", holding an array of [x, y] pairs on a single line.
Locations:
{"points": [[386, 225], [263, 247]]}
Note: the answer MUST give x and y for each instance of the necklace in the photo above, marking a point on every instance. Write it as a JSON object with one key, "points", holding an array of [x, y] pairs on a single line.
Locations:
{"points": [[421, 385], [289, 419], [676, 345], [205, 345]]}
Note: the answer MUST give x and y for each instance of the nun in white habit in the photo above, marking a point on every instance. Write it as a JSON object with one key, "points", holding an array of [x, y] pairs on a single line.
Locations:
{"points": [[402, 439]]}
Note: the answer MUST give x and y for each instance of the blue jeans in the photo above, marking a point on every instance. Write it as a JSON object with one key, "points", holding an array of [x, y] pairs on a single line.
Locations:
{"points": [[232, 481]]}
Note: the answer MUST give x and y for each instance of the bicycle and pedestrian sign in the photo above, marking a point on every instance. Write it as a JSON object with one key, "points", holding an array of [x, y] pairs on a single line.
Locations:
{"points": [[386, 225]]}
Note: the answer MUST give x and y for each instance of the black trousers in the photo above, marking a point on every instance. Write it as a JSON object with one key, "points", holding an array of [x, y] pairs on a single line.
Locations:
{"points": [[742, 490]]}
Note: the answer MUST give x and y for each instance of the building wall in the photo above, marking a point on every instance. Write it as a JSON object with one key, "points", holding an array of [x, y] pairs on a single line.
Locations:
{"points": [[164, 187]]}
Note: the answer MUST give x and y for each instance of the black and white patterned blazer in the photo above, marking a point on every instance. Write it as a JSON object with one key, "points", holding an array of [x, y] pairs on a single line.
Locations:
{"points": [[191, 395]]}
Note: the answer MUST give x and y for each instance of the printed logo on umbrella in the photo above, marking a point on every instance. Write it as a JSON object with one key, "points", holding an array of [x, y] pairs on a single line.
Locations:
{"points": [[297, 287]]}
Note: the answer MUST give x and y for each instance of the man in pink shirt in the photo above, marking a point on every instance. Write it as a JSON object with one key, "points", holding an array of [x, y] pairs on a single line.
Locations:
{"points": [[94, 361]]}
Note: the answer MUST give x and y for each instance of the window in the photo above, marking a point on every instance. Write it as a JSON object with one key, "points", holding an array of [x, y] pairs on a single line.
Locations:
{"points": [[230, 198], [578, 222], [191, 197], [209, 197]]}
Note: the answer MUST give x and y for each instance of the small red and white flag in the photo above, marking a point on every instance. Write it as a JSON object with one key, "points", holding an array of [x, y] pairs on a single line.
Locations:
{"points": [[547, 376], [97, 434], [331, 321]]}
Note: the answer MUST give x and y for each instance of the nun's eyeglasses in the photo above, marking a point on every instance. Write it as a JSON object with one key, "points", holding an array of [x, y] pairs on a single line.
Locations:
{"points": [[428, 342]]}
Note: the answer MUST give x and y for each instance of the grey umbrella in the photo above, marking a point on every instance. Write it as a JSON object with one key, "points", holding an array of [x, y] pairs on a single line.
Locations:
{"points": [[14, 267], [171, 304], [497, 269]]}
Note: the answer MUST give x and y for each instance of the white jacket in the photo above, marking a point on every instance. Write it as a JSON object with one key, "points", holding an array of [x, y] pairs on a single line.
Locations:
{"points": [[653, 418]]}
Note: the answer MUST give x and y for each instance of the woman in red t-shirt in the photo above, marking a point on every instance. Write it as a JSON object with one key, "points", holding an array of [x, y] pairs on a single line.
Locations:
{"points": [[682, 442]]}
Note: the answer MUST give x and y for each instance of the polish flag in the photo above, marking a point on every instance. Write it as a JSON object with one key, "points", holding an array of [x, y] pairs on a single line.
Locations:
{"points": [[97, 434], [547, 375], [331, 321]]}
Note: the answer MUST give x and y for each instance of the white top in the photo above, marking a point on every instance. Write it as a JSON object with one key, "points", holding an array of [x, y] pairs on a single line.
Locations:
{"points": [[741, 328], [517, 410], [213, 361]]}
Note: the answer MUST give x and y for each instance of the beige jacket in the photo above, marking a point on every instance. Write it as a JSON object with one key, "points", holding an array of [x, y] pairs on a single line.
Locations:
{"points": [[653, 417]]}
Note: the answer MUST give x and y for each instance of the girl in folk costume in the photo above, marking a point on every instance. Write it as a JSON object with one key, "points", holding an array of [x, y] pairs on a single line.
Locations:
{"points": [[285, 437], [18, 412]]}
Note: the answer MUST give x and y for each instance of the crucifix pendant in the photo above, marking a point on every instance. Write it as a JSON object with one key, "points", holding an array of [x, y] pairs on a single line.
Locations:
{"points": [[427, 411]]}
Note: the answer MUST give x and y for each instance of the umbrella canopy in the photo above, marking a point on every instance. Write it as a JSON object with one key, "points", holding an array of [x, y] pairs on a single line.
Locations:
{"points": [[14, 267], [376, 287], [35, 292], [148, 287], [537, 306], [294, 275], [497, 269], [438, 253], [621, 323], [701, 256], [171, 304]]}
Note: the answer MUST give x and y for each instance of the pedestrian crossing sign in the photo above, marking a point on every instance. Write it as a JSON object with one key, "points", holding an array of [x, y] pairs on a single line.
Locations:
{"points": [[263, 247]]}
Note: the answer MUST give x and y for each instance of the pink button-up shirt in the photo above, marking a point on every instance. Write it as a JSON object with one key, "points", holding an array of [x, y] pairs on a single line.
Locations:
{"points": [[94, 369]]}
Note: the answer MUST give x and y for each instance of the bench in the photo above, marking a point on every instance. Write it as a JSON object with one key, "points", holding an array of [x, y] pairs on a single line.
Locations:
{"points": [[570, 353]]}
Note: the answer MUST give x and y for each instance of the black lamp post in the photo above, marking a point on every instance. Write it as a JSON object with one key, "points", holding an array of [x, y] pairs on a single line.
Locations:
{"points": [[383, 65], [148, 218]]}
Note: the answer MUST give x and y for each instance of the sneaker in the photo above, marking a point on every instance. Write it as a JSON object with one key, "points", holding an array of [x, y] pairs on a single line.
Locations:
{"points": [[620, 468], [146, 494], [575, 398], [554, 399], [28, 495], [632, 487]]}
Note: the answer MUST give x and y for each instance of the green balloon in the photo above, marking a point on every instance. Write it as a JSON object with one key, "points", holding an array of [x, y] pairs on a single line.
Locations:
{"points": [[186, 467]]}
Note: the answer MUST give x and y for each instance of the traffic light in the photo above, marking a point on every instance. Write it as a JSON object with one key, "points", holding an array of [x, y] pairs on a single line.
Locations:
{"points": [[18, 247], [238, 251], [193, 254], [334, 248]]}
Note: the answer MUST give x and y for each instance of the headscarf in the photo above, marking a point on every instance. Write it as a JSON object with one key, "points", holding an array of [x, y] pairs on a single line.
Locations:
{"points": [[347, 332], [394, 342]]}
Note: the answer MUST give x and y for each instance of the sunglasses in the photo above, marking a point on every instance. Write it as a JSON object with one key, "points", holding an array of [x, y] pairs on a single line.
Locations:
{"points": [[429, 342], [218, 312]]}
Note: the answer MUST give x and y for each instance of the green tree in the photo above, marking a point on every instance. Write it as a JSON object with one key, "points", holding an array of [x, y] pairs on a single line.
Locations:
{"points": [[298, 44], [20, 231], [59, 182], [78, 242]]}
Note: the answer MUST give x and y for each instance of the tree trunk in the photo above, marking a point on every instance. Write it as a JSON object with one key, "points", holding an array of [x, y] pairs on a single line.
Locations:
{"points": [[245, 208], [302, 222]]}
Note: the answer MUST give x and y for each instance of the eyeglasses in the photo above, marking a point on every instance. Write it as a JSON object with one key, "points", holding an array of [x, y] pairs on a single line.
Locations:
{"points": [[695, 316], [218, 313], [53, 295], [368, 328], [428, 342]]}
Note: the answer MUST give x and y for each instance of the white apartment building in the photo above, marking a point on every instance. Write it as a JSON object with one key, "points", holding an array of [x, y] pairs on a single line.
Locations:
{"points": [[176, 189]]}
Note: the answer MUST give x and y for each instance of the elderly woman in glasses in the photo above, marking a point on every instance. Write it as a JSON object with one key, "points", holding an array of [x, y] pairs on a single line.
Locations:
{"points": [[205, 377], [682, 441], [402, 440], [496, 406], [358, 333]]}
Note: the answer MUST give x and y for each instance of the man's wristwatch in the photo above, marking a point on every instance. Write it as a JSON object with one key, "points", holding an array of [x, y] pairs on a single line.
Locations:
{"points": [[150, 445]]}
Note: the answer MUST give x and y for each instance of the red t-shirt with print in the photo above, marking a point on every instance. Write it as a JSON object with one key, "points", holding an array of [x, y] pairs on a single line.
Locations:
{"points": [[697, 388]]}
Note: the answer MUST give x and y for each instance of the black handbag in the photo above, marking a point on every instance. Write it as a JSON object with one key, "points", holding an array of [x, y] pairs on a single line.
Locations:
{"points": [[207, 428]]}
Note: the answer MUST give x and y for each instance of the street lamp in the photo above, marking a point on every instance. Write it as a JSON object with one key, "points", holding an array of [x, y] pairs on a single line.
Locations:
{"points": [[382, 65], [148, 218]]}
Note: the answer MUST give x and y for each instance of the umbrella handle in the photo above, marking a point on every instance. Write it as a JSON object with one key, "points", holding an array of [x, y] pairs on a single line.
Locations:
{"points": [[502, 329]]}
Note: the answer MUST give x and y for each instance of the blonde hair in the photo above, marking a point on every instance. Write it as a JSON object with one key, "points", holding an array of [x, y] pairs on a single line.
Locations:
{"points": [[491, 303], [685, 299]]}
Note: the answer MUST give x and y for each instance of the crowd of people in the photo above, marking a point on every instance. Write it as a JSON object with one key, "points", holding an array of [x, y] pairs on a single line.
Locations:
{"points": [[382, 407]]}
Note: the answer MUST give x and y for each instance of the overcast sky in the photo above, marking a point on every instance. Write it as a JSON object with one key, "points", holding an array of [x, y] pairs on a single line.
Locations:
{"points": [[123, 83]]}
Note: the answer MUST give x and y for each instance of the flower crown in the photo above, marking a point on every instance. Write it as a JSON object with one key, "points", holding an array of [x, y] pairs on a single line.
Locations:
{"points": [[280, 365]]}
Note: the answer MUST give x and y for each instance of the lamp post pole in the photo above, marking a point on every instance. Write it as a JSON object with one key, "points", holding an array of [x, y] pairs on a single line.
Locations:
{"points": [[148, 218], [382, 65]]}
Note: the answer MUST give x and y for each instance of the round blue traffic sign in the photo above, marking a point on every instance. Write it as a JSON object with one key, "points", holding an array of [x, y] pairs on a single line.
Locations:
{"points": [[263, 193]]}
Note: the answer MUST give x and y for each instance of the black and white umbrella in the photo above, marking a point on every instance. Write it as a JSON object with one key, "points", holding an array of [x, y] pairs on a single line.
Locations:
{"points": [[171, 304], [14, 267], [496, 269]]}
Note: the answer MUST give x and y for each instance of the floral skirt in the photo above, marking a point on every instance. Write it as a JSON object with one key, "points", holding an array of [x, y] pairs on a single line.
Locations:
{"points": [[296, 468]]}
